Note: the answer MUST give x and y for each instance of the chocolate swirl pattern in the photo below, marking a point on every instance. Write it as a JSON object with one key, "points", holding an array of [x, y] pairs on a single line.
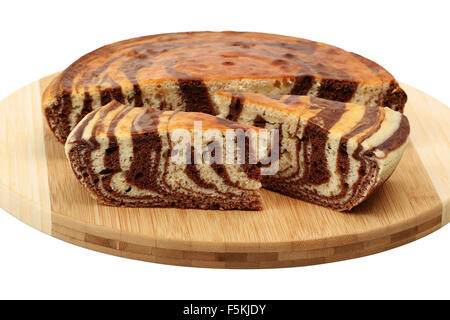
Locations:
{"points": [[180, 71], [123, 156], [331, 153]]}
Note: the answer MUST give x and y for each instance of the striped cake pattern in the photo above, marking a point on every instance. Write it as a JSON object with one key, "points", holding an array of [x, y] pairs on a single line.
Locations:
{"points": [[331, 153], [122, 155], [180, 71]]}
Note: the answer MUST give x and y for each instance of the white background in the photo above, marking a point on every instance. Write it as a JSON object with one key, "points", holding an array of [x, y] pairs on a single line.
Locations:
{"points": [[38, 38]]}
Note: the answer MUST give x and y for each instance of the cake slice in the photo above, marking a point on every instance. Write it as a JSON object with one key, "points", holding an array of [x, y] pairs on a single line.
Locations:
{"points": [[181, 71], [330, 153], [143, 157]]}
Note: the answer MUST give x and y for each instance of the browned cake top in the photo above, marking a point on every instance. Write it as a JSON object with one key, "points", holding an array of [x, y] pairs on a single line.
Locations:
{"points": [[116, 119], [389, 129], [213, 56]]}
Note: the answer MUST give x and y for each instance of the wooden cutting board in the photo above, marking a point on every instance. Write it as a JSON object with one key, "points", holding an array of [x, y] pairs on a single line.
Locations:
{"points": [[38, 187]]}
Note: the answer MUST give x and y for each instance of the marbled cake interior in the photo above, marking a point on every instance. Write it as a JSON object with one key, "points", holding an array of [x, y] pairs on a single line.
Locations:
{"points": [[123, 156], [331, 153]]}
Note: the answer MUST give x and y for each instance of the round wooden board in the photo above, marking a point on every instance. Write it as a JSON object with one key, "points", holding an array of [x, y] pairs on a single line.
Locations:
{"points": [[38, 187]]}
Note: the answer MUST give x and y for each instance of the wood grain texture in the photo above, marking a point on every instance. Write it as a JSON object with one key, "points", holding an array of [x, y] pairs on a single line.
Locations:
{"points": [[38, 187], [24, 190]]}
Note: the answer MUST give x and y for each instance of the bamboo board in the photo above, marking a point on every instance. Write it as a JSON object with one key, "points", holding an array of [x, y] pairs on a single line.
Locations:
{"points": [[38, 187]]}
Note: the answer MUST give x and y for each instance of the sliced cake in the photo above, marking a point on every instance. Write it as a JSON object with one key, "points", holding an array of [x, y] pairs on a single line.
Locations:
{"points": [[330, 153], [180, 71], [143, 157]]}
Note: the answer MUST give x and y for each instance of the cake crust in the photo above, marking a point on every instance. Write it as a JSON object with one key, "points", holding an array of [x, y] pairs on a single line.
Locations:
{"points": [[180, 71]]}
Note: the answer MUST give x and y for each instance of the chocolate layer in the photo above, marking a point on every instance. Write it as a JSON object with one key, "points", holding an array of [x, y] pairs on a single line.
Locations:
{"points": [[196, 96], [338, 90]]}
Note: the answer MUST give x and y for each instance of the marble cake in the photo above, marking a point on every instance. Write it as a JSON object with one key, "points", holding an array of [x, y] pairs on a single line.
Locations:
{"points": [[330, 153], [123, 156], [180, 71]]}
